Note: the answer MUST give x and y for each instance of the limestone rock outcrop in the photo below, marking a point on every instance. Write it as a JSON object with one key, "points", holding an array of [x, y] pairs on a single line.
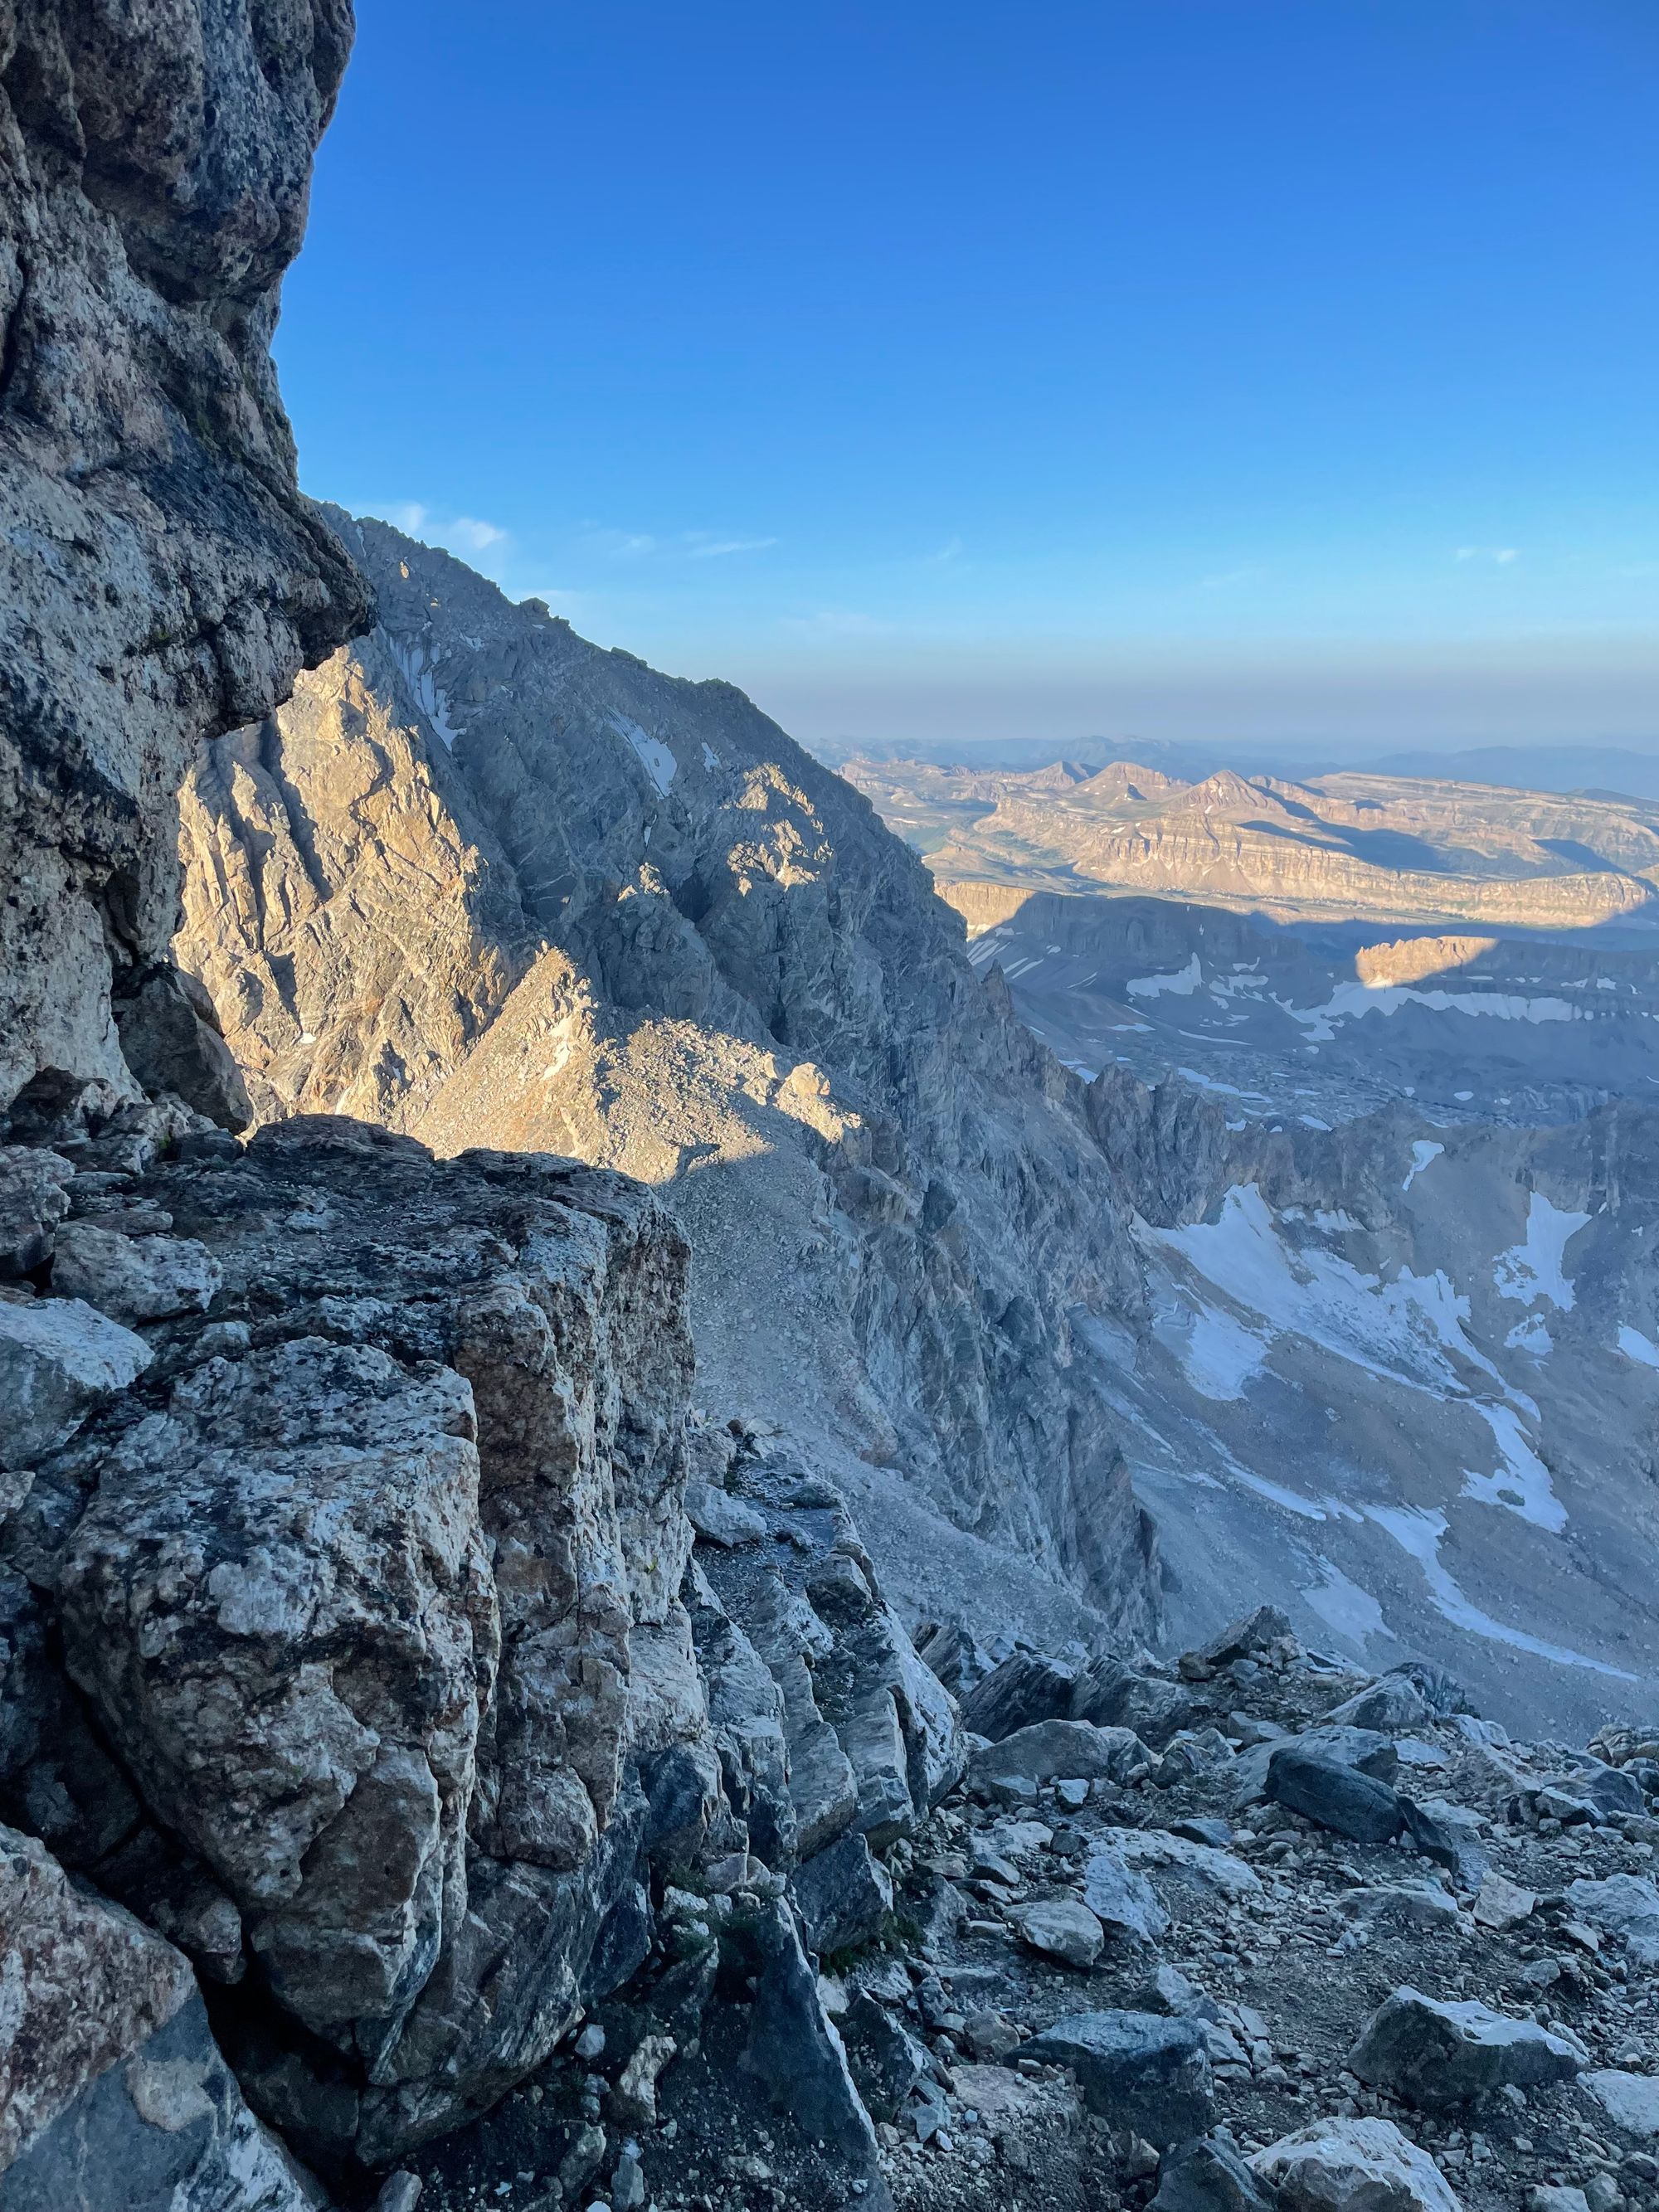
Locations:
{"points": [[110, 2087], [160, 577], [353, 1577], [355, 1639]]}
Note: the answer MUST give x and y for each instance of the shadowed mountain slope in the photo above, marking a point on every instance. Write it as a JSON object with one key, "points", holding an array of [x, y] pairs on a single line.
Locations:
{"points": [[493, 884]]}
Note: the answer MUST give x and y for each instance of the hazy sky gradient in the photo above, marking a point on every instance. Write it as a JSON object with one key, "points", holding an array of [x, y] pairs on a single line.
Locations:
{"points": [[1185, 367]]}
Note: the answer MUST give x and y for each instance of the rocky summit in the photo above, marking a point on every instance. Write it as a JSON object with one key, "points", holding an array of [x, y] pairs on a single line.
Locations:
{"points": [[579, 1625]]}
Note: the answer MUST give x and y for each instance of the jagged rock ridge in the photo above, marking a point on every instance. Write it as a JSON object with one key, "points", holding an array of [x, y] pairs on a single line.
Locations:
{"points": [[489, 883], [1310, 1359]]}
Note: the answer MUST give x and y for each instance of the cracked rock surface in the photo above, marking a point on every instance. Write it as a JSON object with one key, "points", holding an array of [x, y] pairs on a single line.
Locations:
{"points": [[162, 578]]}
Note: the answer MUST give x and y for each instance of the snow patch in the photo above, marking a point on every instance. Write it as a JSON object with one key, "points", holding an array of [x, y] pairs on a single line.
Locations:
{"points": [[1353, 1001], [658, 762], [1635, 1346], [1209, 1083], [1343, 1606], [430, 696], [1218, 1354], [1424, 1154], [1521, 1482], [1529, 1272], [1531, 1337], [1181, 985], [1400, 1331], [1419, 1531]]}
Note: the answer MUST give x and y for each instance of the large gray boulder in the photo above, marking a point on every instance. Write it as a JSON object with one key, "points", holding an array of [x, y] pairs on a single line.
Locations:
{"points": [[1394, 1705], [1137, 2069], [1207, 2174], [1431, 2053], [1631, 2101], [1121, 1898], [113, 2095], [1113, 1695], [1024, 1688], [1626, 1905], [134, 1279], [1051, 1749], [1352, 2165], [1060, 1928], [1334, 1795], [1193, 1865], [1609, 1793], [1367, 1750], [59, 1357], [1263, 1630], [843, 1894]]}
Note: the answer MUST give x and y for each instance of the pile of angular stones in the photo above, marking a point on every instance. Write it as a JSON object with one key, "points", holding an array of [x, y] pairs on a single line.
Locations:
{"points": [[1253, 1932], [1250, 1929]]}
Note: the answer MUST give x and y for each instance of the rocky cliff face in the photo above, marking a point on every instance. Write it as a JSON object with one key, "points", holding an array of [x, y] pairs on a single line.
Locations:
{"points": [[423, 1726], [492, 884], [162, 579], [359, 1691], [355, 1640]]}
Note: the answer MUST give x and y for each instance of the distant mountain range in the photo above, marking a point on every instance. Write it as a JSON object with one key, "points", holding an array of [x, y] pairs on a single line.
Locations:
{"points": [[1563, 768], [1330, 848]]}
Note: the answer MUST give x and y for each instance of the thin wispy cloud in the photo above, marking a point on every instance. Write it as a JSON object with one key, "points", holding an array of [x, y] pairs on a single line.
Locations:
{"points": [[1226, 576], [704, 548], [837, 622], [623, 545], [951, 550], [689, 545], [477, 536], [1500, 555], [467, 534]]}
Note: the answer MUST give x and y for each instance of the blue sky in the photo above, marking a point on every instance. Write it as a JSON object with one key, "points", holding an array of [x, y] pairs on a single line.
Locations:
{"points": [[1225, 368]]}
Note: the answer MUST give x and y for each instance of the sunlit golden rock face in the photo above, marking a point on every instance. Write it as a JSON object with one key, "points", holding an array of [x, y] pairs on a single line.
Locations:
{"points": [[491, 884], [1411, 959], [1338, 846]]}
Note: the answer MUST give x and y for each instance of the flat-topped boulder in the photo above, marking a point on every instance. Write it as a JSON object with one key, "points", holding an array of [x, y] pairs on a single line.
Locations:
{"points": [[1140, 2070], [1431, 2053]]}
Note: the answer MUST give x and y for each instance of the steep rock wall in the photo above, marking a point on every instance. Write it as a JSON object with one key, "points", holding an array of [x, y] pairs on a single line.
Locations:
{"points": [[160, 577], [495, 884]]}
